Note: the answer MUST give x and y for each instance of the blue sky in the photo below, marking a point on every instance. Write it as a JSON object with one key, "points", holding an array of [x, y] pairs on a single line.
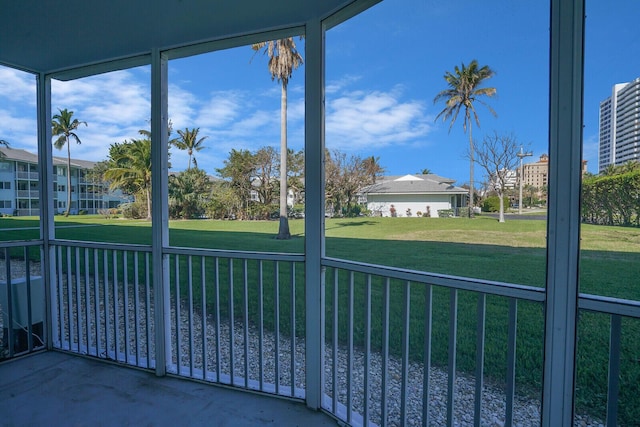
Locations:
{"points": [[384, 68]]}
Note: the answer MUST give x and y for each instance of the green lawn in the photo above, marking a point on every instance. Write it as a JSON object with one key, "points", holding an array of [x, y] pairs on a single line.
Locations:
{"points": [[482, 248]]}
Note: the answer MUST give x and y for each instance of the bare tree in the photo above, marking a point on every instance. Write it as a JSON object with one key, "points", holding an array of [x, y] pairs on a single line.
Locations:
{"points": [[498, 157]]}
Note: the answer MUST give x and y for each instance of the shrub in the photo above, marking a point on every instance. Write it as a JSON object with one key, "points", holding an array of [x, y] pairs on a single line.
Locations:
{"points": [[492, 204], [418, 213], [393, 212], [445, 213]]}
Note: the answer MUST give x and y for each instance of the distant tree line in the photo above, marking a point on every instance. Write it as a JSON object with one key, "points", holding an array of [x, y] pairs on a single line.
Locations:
{"points": [[612, 197]]}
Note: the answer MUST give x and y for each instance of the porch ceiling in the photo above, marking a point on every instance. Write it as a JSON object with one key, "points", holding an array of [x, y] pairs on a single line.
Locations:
{"points": [[55, 35]]}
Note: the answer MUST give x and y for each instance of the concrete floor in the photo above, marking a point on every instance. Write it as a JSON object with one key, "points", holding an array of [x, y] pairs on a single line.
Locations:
{"points": [[56, 389]]}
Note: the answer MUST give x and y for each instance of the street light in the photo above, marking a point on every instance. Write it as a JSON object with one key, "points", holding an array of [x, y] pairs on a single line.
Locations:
{"points": [[521, 155]]}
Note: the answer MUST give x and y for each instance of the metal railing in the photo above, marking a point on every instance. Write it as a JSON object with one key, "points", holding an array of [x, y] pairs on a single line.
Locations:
{"points": [[237, 319], [389, 330], [22, 299], [401, 347], [31, 194], [27, 175], [393, 345], [102, 304]]}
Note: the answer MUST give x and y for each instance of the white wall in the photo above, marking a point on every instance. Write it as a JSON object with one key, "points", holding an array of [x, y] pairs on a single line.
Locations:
{"points": [[417, 203]]}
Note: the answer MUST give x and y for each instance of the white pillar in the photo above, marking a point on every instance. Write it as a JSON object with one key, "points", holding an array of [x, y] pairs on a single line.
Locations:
{"points": [[159, 208], [45, 172], [563, 228], [314, 211]]}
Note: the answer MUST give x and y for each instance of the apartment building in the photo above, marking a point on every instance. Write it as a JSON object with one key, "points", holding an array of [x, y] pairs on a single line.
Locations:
{"points": [[20, 185], [619, 133]]}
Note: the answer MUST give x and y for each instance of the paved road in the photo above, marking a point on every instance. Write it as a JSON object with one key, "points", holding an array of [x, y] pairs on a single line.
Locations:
{"points": [[542, 215]]}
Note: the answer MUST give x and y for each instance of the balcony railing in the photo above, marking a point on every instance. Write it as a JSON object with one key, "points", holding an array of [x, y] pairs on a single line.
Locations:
{"points": [[28, 194], [27, 175], [401, 347]]}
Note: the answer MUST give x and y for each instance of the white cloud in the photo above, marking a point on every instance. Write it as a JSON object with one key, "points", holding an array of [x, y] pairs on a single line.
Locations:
{"points": [[370, 119], [336, 86], [221, 109], [17, 86]]}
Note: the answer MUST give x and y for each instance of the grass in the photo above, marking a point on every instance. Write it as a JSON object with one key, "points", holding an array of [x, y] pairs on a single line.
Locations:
{"points": [[482, 248]]}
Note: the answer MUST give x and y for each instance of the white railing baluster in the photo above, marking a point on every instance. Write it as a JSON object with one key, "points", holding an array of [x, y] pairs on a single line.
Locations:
{"points": [[292, 304], [245, 302], [350, 351], [203, 296], [217, 306], [613, 383], [453, 338], [116, 312], [177, 316], [76, 253], [481, 317], [69, 300], [59, 288], [511, 360], [96, 300], [231, 326], [406, 313], [147, 303], [190, 297], [385, 351], [125, 304], [367, 350], [87, 299], [136, 305], [334, 349], [276, 309], [105, 290], [260, 325], [426, 376]]}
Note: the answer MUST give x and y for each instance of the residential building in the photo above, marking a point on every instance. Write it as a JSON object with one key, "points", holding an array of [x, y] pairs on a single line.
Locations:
{"points": [[536, 174], [510, 179], [619, 135], [409, 194], [20, 185]]}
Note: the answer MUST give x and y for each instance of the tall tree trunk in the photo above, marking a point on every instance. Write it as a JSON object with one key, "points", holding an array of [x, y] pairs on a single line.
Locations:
{"points": [[148, 194], [68, 178], [283, 229], [501, 196], [470, 171]]}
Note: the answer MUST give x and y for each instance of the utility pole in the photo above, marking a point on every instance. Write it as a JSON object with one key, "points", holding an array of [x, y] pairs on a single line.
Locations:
{"points": [[521, 155]]}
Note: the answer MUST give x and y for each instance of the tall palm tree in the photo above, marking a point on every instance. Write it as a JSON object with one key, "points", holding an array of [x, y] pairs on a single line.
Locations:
{"points": [[189, 141], [463, 91], [64, 126], [283, 59]]}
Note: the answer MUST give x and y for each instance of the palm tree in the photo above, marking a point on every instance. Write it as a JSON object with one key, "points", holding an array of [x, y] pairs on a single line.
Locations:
{"points": [[132, 168], [189, 141], [63, 126], [283, 59], [463, 91]]}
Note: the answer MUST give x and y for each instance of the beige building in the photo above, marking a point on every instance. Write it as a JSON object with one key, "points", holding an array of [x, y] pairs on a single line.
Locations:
{"points": [[537, 174]]}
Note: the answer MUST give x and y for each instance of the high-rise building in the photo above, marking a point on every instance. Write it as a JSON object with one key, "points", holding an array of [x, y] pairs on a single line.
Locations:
{"points": [[619, 134]]}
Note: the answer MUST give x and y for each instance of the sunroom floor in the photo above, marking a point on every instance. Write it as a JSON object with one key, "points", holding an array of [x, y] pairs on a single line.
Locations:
{"points": [[54, 388]]}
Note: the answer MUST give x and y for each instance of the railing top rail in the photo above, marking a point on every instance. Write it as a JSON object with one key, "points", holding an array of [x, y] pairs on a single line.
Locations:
{"points": [[609, 305], [102, 245], [222, 253], [20, 243], [477, 285]]}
